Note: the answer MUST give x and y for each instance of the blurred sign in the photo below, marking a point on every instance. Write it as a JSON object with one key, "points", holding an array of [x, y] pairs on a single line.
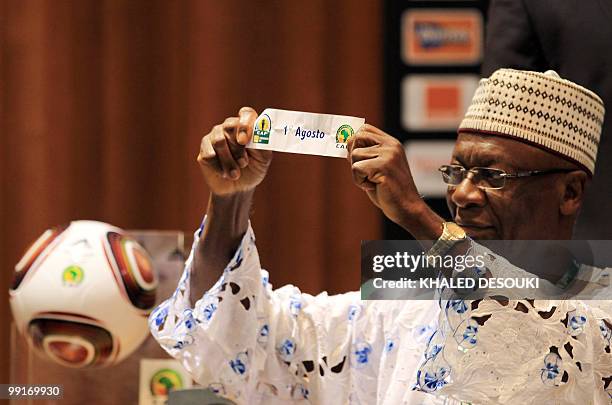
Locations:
{"points": [[425, 157], [442, 37], [435, 102], [158, 377], [432, 55]]}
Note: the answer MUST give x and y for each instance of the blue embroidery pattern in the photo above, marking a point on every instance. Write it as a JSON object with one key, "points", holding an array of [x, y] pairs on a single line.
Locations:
{"points": [[434, 345], [606, 332], [361, 354], [159, 316], [551, 371], [209, 311], [480, 271], [295, 305], [467, 339], [240, 363], [575, 323], [431, 381], [389, 345], [422, 333], [458, 306], [298, 391], [353, 312], [189, 320], [262, 336], [435, 371], [287, 349], [181, 343], [432, 351]]}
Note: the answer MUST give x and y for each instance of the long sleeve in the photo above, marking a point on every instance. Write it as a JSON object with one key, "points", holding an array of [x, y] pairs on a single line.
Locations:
{"points": [[226, 339], [253, 344]]}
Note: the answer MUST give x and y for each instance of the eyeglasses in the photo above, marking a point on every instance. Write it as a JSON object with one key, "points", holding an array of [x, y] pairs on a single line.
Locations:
{"points": [[487, 178]]}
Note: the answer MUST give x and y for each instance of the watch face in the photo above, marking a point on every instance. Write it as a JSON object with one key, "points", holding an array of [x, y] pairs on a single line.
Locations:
{"points": [[456, 232]]}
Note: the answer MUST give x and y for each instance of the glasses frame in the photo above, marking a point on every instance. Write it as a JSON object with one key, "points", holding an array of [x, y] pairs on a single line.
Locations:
{"points": [[502, 173]]}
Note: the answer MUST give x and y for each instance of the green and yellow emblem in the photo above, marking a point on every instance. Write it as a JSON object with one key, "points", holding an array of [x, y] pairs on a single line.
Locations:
{"points": [[344, 133], [72, 275], [164, 381], [263, 126]]}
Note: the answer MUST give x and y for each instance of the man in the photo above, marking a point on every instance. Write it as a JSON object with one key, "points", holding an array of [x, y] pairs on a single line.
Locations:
{"points": [[524, 155]]}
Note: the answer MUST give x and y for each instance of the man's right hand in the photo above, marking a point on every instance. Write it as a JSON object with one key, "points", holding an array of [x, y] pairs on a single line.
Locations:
{"points": [[228, 167], [232, 172]]}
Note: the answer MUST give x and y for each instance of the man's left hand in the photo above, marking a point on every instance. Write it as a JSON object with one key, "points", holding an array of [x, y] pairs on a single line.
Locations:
{"points": [[379, 166]]}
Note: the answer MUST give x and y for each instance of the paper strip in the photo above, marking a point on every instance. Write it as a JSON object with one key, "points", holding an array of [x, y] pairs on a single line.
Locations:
{"points": [[302, 132]]}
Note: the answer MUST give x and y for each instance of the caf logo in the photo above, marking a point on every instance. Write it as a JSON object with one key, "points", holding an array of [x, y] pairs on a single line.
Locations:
{"points": [[72, 275], [164, 381], [263, 126], [344, 133]]}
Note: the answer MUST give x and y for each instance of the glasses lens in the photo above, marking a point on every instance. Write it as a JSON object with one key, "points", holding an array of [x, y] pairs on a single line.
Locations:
{"points": [[485, 177], [452, 175]]}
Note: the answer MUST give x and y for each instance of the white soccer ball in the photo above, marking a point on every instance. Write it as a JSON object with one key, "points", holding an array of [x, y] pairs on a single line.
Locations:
{"points": [[81, 294]]}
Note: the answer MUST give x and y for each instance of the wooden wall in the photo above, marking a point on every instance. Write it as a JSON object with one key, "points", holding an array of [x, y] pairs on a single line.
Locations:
{"points": [[103, 104]]}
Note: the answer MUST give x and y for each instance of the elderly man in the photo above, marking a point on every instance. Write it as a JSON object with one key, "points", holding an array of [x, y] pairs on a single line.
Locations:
{"points": [[524, 155]]}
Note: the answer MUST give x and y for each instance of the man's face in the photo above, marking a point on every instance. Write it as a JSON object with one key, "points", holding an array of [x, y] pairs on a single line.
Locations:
{"points": [[525, 208]]}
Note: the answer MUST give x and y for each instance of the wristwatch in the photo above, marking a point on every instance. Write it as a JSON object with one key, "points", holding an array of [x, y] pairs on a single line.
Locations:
{"points": [[451, 235]]}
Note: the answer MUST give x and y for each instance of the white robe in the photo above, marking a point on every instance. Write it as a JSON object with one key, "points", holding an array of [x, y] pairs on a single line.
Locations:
{"points": [[256, 345]]}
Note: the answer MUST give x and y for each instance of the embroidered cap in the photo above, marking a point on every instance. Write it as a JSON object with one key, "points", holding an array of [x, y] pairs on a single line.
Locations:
{"points": [[541, 109]]}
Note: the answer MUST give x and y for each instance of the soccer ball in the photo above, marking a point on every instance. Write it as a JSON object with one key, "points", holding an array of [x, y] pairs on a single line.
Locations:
{"points": [[81, 294]]}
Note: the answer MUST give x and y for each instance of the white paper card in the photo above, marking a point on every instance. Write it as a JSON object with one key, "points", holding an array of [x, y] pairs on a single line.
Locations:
{"points": [[302, 132]]}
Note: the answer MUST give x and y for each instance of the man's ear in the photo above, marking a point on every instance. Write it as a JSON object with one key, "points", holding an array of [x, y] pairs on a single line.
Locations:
{"points": [[574, 184]]}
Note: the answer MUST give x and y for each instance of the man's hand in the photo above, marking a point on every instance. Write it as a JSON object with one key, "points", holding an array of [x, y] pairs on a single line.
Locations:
{"points": [[232, 172], [228, 167], [380, 168]]}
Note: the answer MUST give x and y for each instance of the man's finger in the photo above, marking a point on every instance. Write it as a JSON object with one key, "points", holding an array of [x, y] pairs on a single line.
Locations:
{"points": [[224, 155], [367, 135], [247, 117], [231, 124], [359, 154], [206, 149], [230, 127], [367, 173], [207, 155]]}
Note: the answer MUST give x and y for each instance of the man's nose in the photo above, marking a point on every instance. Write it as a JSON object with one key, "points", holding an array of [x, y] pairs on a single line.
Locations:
{"points": [[466, 194]]}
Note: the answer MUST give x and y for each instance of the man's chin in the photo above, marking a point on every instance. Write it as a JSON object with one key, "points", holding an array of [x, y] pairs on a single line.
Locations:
{"points": [[475, 233]]}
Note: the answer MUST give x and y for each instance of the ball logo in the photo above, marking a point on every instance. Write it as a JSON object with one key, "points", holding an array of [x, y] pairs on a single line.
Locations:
{"points": [[344, 133], [164, 381], [263, 126], [72, 276]]}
